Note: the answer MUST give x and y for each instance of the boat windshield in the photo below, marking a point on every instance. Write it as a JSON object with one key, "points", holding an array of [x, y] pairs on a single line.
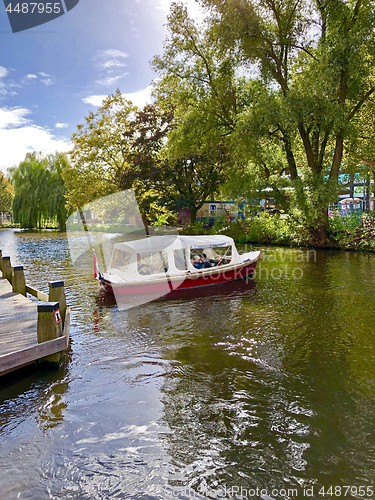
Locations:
{"points": [[120, 260], [180, 259], [152, 263], [211, 257]]}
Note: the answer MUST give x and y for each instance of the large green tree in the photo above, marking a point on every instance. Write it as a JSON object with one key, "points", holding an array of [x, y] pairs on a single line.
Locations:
{"points": [[99, 153], [39, 190], [303, 73], [167, 156], [121, 147], [115, 150]]}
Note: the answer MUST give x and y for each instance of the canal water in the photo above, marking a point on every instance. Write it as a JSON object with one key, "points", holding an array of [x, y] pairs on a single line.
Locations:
{"points": [[265, 389]]}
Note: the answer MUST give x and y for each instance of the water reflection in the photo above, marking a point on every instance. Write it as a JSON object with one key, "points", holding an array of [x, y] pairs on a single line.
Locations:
{"points": [[41, 393]]}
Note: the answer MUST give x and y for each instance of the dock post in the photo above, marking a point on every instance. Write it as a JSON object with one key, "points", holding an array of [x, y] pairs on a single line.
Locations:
{"points": [[18, 280], [49, 327], [1, 261], [7, 268], [57, 294]]}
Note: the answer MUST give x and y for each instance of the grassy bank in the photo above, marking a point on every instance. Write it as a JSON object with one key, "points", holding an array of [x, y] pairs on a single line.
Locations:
{"points": [[353, 232]]}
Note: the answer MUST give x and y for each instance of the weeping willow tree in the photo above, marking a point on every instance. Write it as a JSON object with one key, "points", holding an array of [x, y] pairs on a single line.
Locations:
{"points": [[39, 190]]}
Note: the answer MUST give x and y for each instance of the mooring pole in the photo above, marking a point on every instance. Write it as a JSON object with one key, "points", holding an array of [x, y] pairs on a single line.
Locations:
{"points": [[7, 268], [57, 294], [49, 327], [18, 280]]}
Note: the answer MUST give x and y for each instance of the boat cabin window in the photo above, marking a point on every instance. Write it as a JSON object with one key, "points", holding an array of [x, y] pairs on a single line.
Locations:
{"points": [[180, 259], [151, 263], [202, 258], [120, 259]]}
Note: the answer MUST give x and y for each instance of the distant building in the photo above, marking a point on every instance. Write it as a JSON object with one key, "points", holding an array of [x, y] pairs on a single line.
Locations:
{"points": [[351, 205], [6, 218], [212, 211], [358, 203]]}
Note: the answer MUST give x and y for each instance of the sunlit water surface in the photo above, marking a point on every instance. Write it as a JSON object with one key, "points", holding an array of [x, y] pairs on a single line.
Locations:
{"points": [[269, 384]]}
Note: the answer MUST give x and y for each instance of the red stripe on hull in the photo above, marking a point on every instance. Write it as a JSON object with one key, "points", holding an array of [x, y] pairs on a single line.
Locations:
{"points": [[191, 281]]}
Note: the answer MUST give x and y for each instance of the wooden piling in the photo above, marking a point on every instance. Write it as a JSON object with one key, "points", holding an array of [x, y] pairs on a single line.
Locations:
{"points": [[6, 268], [30, 333], [18, 280], [49, 327], [1, 262], [57, 294]]}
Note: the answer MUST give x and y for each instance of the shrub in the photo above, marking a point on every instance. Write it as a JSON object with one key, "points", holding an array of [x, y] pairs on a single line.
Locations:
{"points": [[353, 232]]}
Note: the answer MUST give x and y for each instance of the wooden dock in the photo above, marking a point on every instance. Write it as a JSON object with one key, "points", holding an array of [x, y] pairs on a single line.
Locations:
{"points": [[31, 332]]}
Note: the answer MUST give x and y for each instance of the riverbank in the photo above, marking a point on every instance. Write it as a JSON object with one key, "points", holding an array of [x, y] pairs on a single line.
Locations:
{"points": [[351, 232]]}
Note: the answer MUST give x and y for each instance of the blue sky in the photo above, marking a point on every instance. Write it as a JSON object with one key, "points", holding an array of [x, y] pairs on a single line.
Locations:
{"points": [[52, 75]]}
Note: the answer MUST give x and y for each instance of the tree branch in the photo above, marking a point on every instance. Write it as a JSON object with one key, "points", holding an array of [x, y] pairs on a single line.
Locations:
{"points": [[360, 103]]}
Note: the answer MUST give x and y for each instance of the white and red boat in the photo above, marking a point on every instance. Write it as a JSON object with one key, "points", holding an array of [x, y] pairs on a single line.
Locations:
{"points": [[143, 270]]}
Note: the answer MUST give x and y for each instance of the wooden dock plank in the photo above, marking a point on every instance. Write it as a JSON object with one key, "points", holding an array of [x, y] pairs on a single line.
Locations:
{"points": [[18, 320], [18, 330]]}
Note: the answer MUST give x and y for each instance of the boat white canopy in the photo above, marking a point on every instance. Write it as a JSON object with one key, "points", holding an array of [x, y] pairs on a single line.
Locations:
{"points": [[169, 254], [159, 243]]}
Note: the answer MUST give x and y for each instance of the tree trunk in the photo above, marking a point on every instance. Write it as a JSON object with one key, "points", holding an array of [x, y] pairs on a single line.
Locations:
{"points": [[193, 215], [319, 234], [145, 223]]}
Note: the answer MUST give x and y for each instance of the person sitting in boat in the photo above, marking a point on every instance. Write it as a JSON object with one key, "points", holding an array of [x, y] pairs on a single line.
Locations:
{"points": [[206, 263], [197, 262]]}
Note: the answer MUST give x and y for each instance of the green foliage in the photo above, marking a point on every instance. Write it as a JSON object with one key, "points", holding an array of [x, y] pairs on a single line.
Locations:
{"points": [[353, 232], [200, 85], [39, 190], [99, 152], [339, 223], [6, 194], [283, 88], [195, 228], [271, 229], [350, 232]]}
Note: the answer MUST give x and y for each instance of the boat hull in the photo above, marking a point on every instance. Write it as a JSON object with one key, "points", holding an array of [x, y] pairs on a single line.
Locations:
{"points": [[171, 285]]}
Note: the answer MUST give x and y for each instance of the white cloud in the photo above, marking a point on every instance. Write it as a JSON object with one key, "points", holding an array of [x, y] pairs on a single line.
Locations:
{"points": [[40, 76], [62, 125], [110, 64], [94, 100], [13, 117], [3, 72], [47, 81], [113, 53], [111, 58], [139, 98], [19, 135], [193, 8], [110, 80]]}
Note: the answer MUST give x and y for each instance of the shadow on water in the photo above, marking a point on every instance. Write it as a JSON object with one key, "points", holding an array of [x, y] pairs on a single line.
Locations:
{"points": [[39, 390]]}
